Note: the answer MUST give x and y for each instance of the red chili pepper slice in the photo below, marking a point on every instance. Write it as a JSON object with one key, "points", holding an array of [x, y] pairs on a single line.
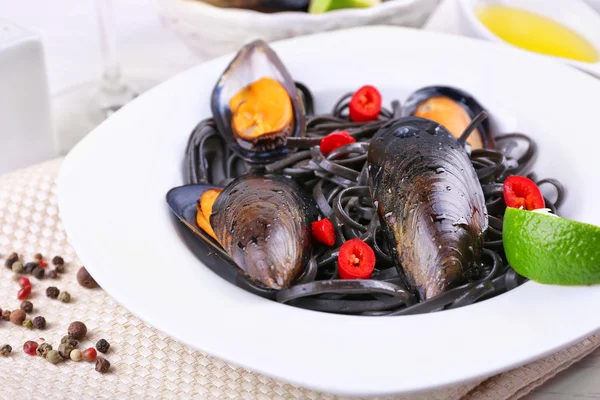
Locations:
{"points": [[522, 192], [324, 232], [356, 260], [365, 104], [334, 140]]}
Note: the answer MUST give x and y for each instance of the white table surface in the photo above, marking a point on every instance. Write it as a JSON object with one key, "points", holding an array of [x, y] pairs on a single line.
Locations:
{"points": [[151, 52]]}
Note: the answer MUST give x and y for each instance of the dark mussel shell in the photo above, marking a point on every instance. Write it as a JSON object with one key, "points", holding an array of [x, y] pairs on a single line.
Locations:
{"points": [[462, 98], [267, 6], [430, 204], [264, 224], [254, 61], [182, 201]]}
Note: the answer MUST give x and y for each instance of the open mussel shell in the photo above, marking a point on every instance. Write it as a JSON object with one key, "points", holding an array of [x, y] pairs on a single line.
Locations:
{"points": [[422, 99], [264, 224], [257, 64], [182, 201]]}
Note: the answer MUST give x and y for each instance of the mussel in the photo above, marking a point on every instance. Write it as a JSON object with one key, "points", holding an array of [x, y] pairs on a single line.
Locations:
{"points": [[267, 6], [263, 222], [454, 109], [256, 105], [429, 202]]}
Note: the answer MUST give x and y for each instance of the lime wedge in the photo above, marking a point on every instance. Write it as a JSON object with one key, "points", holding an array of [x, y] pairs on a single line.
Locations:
{"points": [[550, 249], [321, 6]]}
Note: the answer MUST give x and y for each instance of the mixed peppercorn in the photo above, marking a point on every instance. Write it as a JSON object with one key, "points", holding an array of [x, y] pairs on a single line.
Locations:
{"points": [[76, 332]]}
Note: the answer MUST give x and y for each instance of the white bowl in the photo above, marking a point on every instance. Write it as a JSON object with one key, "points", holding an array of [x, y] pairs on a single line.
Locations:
{"points": [[112, 187], [574, 14], [212, 31]]}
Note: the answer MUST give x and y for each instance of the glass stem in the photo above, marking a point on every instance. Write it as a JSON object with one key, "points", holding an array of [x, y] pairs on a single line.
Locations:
{"points": [[111, 74]]}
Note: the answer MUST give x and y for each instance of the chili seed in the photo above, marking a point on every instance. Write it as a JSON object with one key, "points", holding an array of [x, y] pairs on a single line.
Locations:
{"points": [[76, 355], [18, 267], [65, 297], [77, 330], [102, 345], [5, 350], [52, 274], [53, 357], [52, 292], [89, 354], [28, 324], [6, 315], [27, 306], [29, 267], [85, 279], [69, 340], [30, 347], [17, 317], [43, 349], [39, 322], [58, 260], [65, 350], [38, 272], [102, 365]]}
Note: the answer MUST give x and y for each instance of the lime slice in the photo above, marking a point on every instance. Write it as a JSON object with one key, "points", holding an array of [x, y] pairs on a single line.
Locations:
{"points": [[550, 249], [321, 6]]}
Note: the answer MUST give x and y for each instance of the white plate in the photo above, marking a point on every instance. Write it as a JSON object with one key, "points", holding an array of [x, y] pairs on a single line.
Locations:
{"points": [[112, 201]]}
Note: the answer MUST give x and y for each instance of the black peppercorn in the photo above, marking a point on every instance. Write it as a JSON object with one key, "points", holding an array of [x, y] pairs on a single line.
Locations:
{"points": [[85, 279], [38, 257], [52, 274], [27, 306], [11, 260], [39, 322], [60, 268], [102, 346], [38, 272], [29, 267], [58, 260], [52, 292], [77, 330], [102, 365]]}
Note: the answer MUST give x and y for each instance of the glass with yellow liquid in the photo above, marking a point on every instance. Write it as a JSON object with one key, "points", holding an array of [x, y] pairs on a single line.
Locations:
{"points": [[534, 32]]}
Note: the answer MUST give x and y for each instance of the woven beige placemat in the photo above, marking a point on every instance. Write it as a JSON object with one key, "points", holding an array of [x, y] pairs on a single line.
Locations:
{"points": [[145, 362]]}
